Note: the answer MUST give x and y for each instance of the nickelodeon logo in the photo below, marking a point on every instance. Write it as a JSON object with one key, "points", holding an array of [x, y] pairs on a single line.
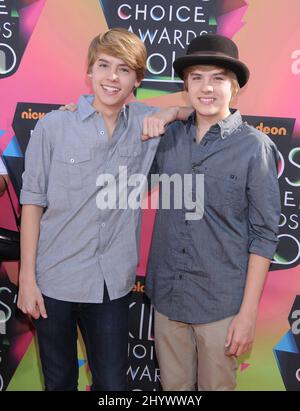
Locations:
{"points": [[274, 131], [138, 287], [32, 115]]}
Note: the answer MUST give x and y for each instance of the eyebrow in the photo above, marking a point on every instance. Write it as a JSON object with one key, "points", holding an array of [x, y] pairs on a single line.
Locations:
{"points": [[195, 73], [108, 62]]}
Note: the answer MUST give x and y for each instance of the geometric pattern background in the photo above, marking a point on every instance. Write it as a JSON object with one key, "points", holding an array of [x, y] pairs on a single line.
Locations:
{"points": [[287, 351]]}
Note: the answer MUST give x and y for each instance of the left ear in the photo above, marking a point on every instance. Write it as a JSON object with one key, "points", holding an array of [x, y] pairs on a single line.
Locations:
{"points": [[137, 84]]}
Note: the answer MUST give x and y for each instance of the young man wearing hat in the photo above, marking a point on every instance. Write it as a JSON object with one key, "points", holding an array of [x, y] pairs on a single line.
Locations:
{"points": [[206, 275]]}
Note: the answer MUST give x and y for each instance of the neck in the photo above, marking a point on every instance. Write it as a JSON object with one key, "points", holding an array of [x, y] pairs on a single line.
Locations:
{"points": [[110, 114]]}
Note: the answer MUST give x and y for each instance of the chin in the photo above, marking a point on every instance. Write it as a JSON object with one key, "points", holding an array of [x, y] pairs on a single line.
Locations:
{"points": [[207, 112], [111, 101]]}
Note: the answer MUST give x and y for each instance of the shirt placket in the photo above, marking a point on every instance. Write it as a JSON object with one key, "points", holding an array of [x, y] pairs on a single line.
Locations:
{"points": [[104, 216]]}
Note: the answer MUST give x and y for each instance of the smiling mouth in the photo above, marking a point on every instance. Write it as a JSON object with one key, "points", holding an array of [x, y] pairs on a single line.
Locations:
{"points": [[110, 89], [207, 100]]}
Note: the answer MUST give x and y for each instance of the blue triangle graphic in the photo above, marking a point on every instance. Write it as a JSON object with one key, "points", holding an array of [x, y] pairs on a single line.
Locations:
{"points": [[13, 149], [81, 363], [287, 343]]}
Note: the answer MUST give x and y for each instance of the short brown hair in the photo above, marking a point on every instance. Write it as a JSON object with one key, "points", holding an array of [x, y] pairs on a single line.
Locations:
{"points": [[234, 83], [120, 43]]}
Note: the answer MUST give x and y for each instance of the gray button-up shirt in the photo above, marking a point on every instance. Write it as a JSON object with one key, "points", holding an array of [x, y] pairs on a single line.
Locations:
{"points": [[197, 268], [81, 246]]}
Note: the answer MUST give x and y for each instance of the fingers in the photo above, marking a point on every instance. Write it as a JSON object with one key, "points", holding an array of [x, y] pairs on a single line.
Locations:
{"points": [[231, 345], [71, 107], [31, 310], [243, 348], [229, 336], [232, 349], [35, 313], [145, 128], [41, 307], [161, 128], [152, 127], [34, 308], [68, 107], [238, 348]]}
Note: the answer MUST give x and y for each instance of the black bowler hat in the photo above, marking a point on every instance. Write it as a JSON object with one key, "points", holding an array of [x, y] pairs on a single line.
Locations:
{"points": [[215, 50]]}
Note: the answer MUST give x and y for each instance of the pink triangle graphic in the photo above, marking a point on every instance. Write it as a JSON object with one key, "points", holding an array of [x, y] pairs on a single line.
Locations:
{"points": [[244, 365]]}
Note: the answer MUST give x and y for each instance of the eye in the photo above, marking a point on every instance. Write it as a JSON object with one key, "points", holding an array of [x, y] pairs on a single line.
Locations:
{"points": [[124, 69], [103, 65], [219, 78]]}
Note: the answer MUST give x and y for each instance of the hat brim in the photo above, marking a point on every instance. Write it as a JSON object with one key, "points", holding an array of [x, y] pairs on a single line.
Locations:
{"points": [[240, 69]]}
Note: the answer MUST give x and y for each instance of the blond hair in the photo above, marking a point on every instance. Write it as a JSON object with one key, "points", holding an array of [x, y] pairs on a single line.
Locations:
{"points": [[235, 87], [122, 44]]}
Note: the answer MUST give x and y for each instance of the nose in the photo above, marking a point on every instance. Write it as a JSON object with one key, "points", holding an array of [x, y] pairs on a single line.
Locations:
{"points": [[113, 74], [207, 86]]}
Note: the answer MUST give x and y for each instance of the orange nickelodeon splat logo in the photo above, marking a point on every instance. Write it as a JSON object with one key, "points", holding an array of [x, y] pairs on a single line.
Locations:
{"points": [[274, 131], [138, 287], [31, 115]]}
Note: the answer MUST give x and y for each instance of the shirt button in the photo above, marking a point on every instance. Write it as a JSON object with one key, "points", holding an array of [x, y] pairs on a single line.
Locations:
{"points": [[72, 160], [101, 256], [186, 222], [183, 251], [194, 140], [103, 225], [180, 276], [102, 132]]}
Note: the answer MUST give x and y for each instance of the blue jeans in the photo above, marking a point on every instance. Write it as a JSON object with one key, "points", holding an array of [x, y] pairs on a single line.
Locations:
{"points": [[104, 328]]}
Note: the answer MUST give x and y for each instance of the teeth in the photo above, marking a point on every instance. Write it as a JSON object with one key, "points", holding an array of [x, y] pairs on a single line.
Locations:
{"points": [[110, 89]]}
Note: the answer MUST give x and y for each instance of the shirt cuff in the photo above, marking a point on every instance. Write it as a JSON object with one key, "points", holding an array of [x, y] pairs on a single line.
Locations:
{"points": [[264, 248], [27, 197]]}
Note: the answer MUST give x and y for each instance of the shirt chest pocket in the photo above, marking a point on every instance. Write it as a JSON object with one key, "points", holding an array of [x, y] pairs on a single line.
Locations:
{"points": [[73, 168], [130, 156], [225, 191]]}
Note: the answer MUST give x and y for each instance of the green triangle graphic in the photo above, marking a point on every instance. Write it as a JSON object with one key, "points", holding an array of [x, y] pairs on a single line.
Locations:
{"points": [[14, 13], [212, 21]]}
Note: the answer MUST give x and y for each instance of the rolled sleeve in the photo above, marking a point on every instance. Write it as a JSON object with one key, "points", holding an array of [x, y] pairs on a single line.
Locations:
{"points": [[264, 202], [37, 165]]}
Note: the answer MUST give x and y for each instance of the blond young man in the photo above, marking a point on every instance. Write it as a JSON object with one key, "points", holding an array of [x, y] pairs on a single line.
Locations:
{"points": [[78, 262], [206, 275]]}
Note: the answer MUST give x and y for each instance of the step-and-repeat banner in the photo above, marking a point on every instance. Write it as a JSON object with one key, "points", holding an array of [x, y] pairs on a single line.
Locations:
{"points": [[43, 47]]}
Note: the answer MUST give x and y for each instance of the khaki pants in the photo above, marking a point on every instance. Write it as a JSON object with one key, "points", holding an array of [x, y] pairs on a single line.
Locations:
{"points": [[192, 356]]}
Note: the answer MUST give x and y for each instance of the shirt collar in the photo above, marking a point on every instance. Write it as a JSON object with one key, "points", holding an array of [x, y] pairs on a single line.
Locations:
{"points": [[86, 109], [224, 127], [230, 123]]}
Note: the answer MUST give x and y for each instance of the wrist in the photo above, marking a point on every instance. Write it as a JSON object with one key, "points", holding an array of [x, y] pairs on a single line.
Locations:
{"points": [[173, 114], [249, 312], [27, 277]]}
